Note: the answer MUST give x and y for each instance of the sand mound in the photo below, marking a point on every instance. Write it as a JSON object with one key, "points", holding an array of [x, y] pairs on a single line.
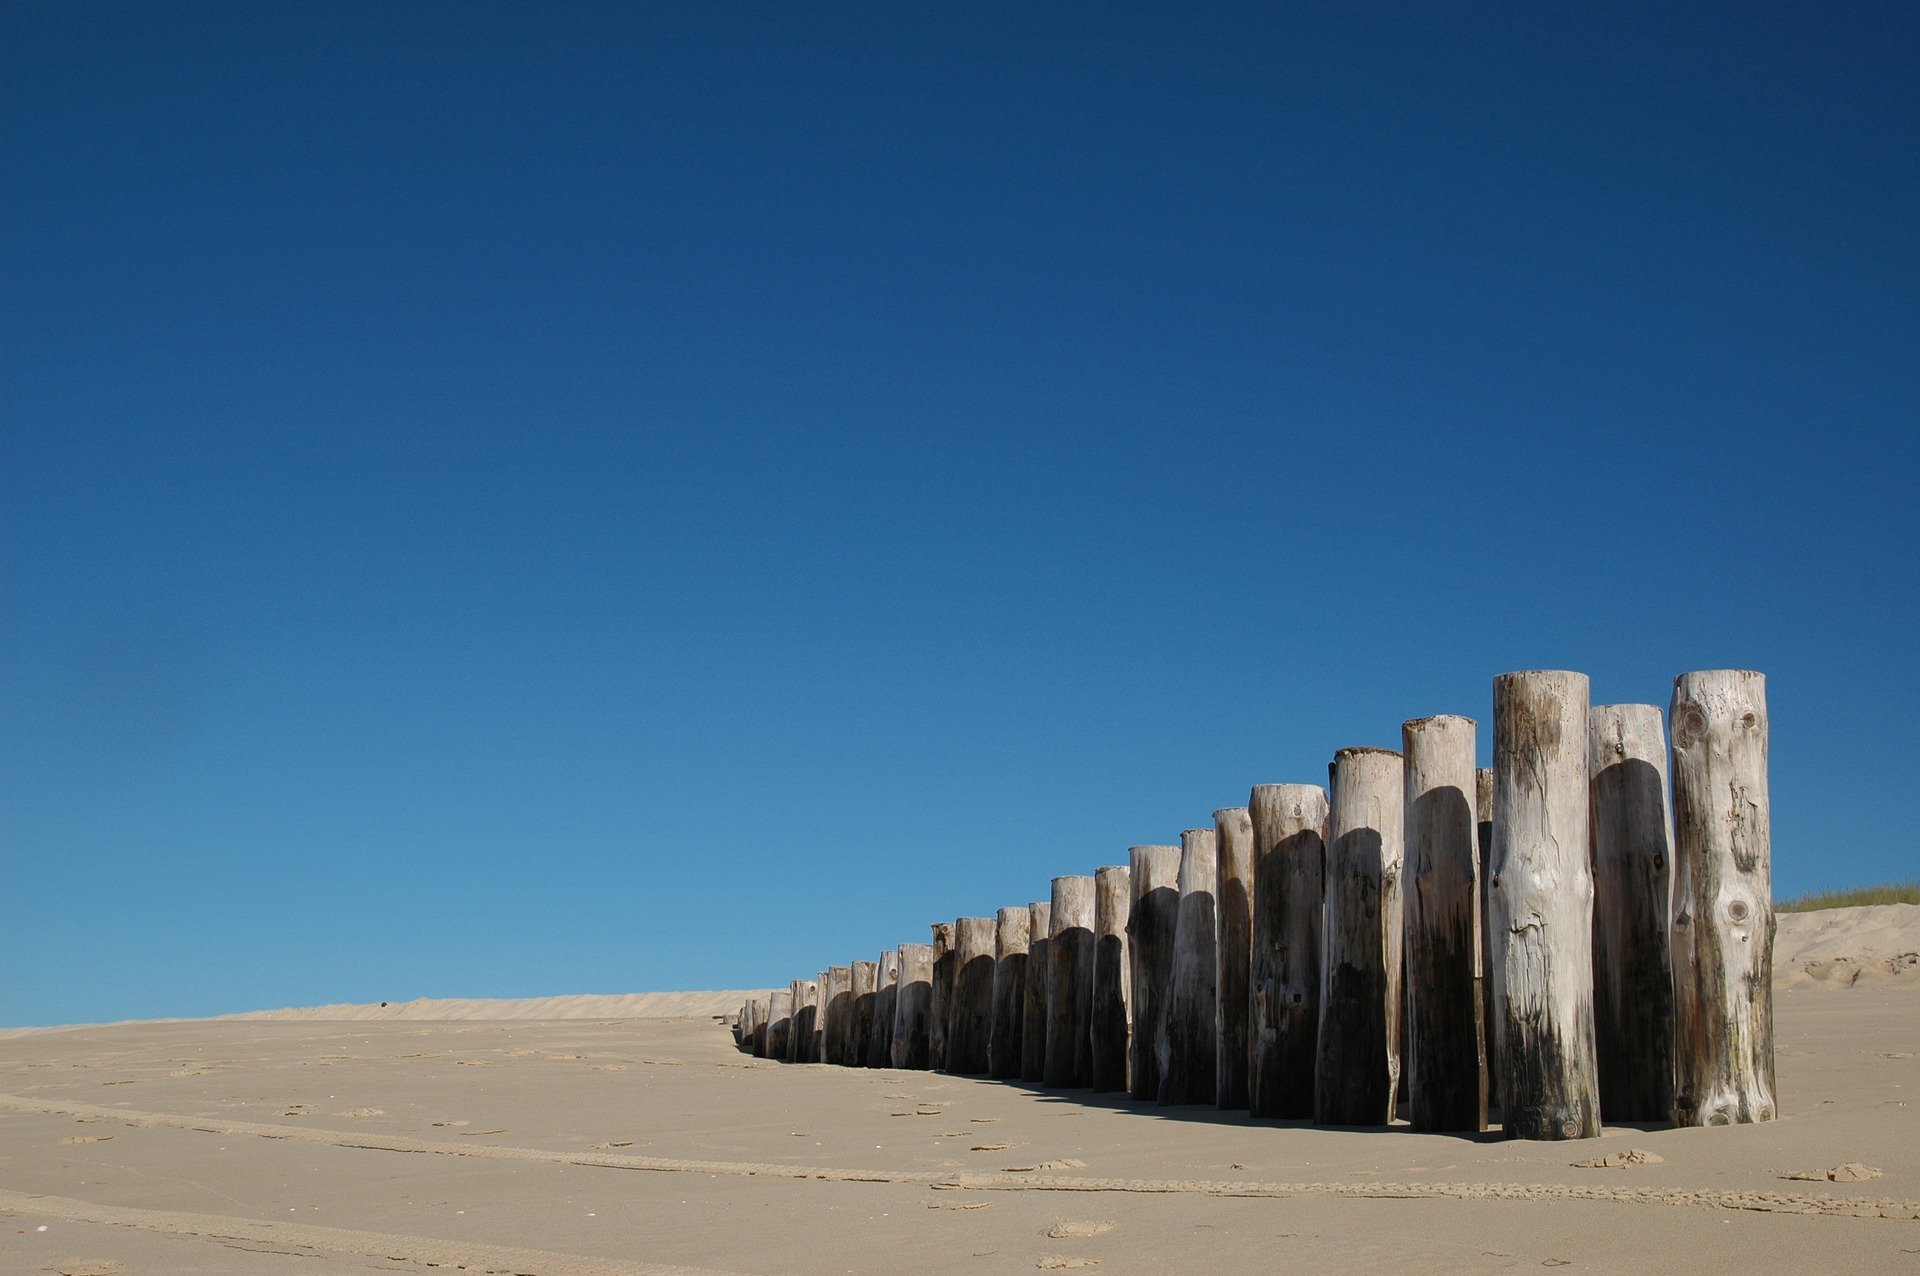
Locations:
{"points": [[632, 1005], [1847, 947]]}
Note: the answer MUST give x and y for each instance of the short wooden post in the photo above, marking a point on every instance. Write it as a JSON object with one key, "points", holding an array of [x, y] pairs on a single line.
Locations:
{"points": [[1541, 907], [885, 994], [1012, 934], [1155, 881], [779, 1020], [1444, 1031], [1632, 911], [836, 1029], [1070, 949], [1107, 1030], [866, 986], [1033, 1011], [912, 1006], [1289, 850], [800, 1031], [1233, 896], [970, 1014], [1188, 1030], [1357, 1063], [1723, 900], [938, 1008], [1483, 843]]}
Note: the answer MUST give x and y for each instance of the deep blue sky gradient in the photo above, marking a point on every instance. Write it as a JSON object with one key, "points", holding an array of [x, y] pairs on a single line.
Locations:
{"points": [[516, 499]]}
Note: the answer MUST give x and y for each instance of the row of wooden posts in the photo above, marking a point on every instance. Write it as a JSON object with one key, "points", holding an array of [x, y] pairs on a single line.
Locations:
{"points": [[1541, 934]]}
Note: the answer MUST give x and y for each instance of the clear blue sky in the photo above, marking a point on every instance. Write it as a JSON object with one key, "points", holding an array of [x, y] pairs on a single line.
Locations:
{"points": [[517, 499]]}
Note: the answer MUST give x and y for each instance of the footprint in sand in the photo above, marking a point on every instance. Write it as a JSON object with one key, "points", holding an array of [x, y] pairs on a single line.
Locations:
{"points": [[79, 1139], [362, 1112], [1064, 1229], [449, 1124], [1054, 1263], [1615, 1160]]}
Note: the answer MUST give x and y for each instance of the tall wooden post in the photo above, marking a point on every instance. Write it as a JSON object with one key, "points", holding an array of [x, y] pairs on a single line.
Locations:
{"points": [[1723, 900], [1632, 911], [1289, 851], [880, 1042], [836, 997], [1233, 895], [1012, 933], [1444, 1030], [757, 1027], [779, 1020], [1541, 907], [938, 1009], [866, 983], [970, 1014], [1187, 1032], [821, 1004], [1357, 1064], [1033, 1010], [1070, 984], [912, 1007], [1155, 879], [1107, 1033], [1483, 842]]}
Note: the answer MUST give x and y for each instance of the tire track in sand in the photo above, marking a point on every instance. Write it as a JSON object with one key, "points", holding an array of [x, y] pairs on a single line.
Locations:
{"points": [[1703, 1198]]}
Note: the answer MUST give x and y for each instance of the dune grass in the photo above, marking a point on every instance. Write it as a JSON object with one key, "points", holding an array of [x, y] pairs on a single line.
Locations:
{"points": [[1896, 893]]}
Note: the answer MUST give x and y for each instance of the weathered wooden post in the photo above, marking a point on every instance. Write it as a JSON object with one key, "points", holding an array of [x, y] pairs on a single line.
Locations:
{"points": [[800, 1032], [761, 1018], [836, 1000], [1070, 948], [866, 986], [1012, 934], [1289, 853], [970, 1013], [1033, 1011], [1233, 896], [1444, 1032], [1187, 1032], [1541, 907], [880, 1042], [1490, 1027], [938, 1008], [779, 1020], [1357, 1063], [912, 1007], [1632, 911], [822, 987], [1723, 900], [1107, 1030], [1155, 880]]}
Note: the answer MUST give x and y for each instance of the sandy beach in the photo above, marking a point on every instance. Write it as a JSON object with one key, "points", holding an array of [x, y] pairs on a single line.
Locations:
{"points": [[480, 1137]]}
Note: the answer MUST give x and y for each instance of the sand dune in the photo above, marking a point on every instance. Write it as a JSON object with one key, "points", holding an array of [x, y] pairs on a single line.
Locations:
{"points": [[631, 1005], [1846, 947]]}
